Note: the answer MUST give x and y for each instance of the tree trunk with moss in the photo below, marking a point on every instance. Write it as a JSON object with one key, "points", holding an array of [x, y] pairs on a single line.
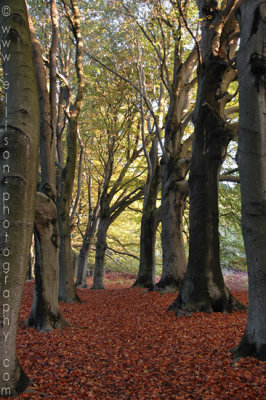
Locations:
{"points": [[252, 169], [19, 134], [204, 288]]}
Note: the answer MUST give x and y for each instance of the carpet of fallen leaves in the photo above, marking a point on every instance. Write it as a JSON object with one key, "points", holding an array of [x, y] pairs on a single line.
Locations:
{"points": [[123, 344]]}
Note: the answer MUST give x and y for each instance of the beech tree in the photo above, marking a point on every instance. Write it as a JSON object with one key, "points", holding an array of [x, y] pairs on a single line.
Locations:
{"points": [[88, 236], [120, 185], [150, 213], [204, 288], [67, 171], [149, 222], [45, 314], [252, 168], [175, 66], [19, 130]]}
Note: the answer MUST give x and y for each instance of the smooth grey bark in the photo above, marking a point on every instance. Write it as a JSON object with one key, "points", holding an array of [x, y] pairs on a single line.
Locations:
{"points": [[86, 247], [252, 169], [75, 263], [101, 246], [204, 288], [19, 137], [82, 265], [67, 292], [149, 222], [45, 315], [66, 179], [175, 166], [174, 193]]}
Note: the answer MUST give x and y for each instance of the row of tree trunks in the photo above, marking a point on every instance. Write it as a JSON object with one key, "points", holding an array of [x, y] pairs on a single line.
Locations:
{"points": [[175, 166], [45, 313], [204, 288]]}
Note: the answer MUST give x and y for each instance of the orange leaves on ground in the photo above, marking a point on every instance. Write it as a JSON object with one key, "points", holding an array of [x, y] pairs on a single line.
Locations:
{"points": [[123, 344]]}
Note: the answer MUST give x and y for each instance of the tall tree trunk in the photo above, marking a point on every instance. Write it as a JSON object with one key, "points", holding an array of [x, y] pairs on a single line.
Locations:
{"points": [[75, 263], [82, 270], [67, 175], [149, 221], [67, 292], [85, 251], [45, 314], [252, 169], [175, 165], [204, 288], [101, 246], [91, 229], [19, 138], [174, 192]]}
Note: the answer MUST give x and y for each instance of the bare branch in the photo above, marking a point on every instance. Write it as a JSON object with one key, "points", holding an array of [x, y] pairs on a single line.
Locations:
{"points": [[124, 253], [229, 178]]}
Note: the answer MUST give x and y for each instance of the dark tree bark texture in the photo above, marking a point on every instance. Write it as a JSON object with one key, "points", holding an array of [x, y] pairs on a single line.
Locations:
{"points": [[67, 174], [149, 222], [204, 288], [175, 166], [252, 169]]}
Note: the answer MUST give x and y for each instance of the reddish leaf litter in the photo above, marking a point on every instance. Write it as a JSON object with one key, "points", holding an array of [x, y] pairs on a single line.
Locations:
{"points": [[124, 345]]}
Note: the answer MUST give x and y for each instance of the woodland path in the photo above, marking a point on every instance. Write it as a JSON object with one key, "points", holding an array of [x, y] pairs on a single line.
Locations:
{"points": [[123, 344]]}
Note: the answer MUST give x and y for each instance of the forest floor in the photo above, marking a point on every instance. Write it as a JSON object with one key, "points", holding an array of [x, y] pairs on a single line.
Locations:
{"points": [[123, 344]]}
